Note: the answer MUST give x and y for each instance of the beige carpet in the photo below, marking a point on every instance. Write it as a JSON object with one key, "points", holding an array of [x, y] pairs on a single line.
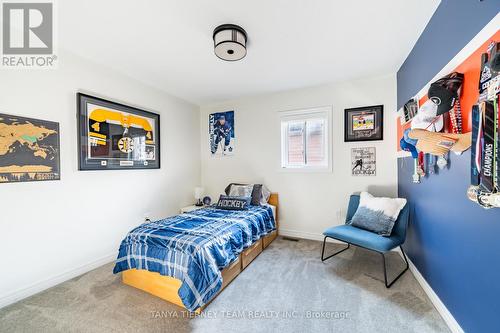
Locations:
{"points": [[286, 289]]}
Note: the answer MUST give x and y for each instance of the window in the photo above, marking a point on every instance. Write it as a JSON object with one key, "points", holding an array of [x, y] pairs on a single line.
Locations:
{"points": [[305, 139]]}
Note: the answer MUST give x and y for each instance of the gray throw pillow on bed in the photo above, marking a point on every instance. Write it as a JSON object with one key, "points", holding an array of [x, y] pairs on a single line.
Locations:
{"points": [[233, 203]]}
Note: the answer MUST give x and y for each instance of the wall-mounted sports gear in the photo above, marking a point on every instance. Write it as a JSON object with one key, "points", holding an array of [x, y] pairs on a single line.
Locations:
{"points": [[485, 164], [445, 91], [439, 144]]}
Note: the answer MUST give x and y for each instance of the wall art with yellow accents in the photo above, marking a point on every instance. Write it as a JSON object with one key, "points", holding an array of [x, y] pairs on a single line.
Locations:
{"points": [[116, 136]]}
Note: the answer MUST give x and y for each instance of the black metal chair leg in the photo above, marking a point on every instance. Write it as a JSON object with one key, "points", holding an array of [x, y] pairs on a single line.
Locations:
{"points": [[323, 250], [385, 269]]}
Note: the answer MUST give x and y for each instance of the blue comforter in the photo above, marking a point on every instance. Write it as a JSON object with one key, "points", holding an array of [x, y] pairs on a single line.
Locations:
{"points": [[194, 247]]}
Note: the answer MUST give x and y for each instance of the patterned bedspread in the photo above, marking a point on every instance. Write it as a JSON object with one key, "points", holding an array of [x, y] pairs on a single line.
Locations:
{"points": [[194, 247]]}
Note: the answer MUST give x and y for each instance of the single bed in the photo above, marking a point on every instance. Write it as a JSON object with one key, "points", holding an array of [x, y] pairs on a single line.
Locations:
{"points": [[189, 259]]}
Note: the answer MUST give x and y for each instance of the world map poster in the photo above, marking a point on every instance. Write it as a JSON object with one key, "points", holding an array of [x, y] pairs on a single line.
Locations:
{"points": [[29, 149]]}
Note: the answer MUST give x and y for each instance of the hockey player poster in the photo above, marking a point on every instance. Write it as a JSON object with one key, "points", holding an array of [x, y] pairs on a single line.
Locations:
{"points": [[363, 161], [221, 133]]}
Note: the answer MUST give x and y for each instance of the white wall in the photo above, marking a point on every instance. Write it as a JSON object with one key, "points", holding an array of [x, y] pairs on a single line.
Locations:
{"points": [[309, 202], [53, 230]]}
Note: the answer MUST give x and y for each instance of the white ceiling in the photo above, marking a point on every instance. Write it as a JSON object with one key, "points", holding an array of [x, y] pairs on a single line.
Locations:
{"points": [[292, 43]]}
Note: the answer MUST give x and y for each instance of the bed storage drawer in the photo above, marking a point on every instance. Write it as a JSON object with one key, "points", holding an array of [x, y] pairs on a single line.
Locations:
{"points": [[251, 253], [267, 239], [230, 272]]}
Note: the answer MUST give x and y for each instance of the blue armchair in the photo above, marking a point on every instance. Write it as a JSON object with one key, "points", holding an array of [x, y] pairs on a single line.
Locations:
{"points": [[369, 240]]}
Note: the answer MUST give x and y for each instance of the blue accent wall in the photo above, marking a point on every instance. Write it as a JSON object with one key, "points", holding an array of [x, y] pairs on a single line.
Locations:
{"points": [[452, 26], [453, 242]]}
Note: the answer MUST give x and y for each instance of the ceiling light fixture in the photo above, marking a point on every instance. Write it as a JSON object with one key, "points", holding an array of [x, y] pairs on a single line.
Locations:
{"points": [[230, 42]]}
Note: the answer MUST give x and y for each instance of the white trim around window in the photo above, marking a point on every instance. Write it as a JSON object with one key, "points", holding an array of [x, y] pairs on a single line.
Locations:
{"points": [[300, 124]]}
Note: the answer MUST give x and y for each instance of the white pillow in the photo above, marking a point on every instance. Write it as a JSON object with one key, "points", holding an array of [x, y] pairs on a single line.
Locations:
{"points": [[389, 206], [377, 214], [264, 198]]}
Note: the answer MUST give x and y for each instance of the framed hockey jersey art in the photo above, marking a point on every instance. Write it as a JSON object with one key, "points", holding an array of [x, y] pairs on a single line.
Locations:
{"points": [[115, 136]]}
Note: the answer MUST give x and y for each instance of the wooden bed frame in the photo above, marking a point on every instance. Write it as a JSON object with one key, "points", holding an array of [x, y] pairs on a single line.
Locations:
{"points": [[167, 287]]}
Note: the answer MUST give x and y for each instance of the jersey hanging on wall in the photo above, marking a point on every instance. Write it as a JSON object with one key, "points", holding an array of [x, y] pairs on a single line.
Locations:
{"points": [[116, 136], [221, 133]]}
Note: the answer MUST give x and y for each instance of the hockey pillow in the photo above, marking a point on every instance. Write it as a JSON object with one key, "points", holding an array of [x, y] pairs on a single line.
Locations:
{"points": [[233, 203], [377, 214]]}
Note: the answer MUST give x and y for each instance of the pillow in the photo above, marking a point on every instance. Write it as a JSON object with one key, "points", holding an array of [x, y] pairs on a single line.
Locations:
{"points": [[233, 203], [265, 194], [256, 194], [377, 214], [241, 191]]}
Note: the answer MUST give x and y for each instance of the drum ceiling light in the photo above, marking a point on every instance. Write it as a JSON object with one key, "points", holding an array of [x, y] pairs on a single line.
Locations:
{"points": [[230, 42]]}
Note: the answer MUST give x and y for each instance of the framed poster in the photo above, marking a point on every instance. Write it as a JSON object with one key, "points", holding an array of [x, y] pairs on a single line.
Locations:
{"points": [[29, 149], [221, 133], [363, 161], [364, 124], [116, 136]]}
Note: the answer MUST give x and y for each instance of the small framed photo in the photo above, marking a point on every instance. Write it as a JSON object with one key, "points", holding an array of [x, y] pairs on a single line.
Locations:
{"points": [[364, 123], [363, 161]]}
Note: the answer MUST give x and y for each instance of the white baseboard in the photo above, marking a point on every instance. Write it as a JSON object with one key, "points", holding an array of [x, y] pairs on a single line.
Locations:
{"points": [[301, 234], [310, 236], [52, 281], [306, 235], [448, 318]]}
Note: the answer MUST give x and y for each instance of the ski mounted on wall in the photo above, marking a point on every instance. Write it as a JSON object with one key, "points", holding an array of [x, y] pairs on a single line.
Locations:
{"points": [[475, 161], [497, 143], [485, 154], [488, 155]]}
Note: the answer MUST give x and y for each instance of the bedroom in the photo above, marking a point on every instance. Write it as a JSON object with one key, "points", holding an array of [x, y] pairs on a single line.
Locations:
{"points": [[103, 78]]}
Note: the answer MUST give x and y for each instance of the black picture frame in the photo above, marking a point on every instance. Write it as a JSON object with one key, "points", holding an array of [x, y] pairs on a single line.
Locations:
{"points": [[125, 155], [372, 128]]}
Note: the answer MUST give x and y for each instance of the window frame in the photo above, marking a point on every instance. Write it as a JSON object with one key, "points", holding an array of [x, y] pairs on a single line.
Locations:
{"points": [[324, 113]]}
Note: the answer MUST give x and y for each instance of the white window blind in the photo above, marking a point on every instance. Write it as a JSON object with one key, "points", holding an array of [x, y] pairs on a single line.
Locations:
{"points": [[305, 139]]}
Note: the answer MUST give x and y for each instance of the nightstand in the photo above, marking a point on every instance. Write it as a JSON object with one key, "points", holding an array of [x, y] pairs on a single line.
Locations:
{"points": [[190, 208]]}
